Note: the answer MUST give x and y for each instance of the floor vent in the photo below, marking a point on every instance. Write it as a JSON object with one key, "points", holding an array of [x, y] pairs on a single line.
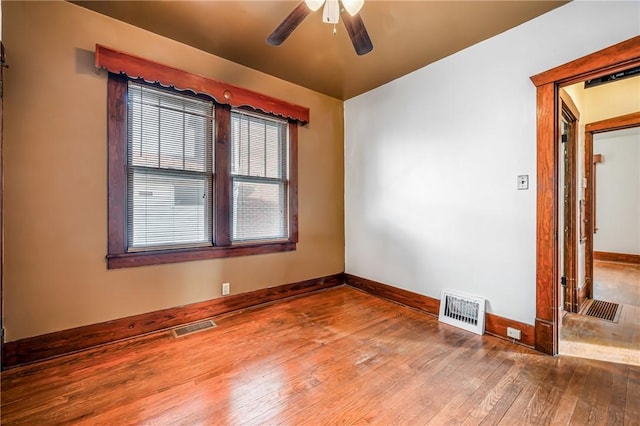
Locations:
{"points": [[462, 311], [192, 328], [607, 311]]}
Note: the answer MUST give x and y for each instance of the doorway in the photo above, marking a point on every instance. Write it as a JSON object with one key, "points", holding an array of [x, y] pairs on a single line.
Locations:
{"points": [[620, 57], [611, 240], [617, 246]]}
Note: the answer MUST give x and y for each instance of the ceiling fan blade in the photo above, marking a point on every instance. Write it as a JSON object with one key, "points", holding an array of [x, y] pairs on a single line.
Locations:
{"points": [[286, 27], [357, 33]]}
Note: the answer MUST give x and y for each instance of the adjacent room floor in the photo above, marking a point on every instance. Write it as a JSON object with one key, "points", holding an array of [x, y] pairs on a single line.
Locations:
{"points": [[338, 356], [594, 338]]}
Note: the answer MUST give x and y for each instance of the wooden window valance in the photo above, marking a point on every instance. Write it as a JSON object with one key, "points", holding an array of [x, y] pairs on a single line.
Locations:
{"points": [[134, 67]]}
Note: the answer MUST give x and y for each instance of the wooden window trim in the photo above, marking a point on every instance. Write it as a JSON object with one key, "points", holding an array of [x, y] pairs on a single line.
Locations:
{"points": [[118, 62], [222, 172], [159, 257], [118, 257]]}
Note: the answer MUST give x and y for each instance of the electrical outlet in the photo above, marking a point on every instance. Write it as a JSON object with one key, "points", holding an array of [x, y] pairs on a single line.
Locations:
{"points": [[225, 289], [513, 333]]}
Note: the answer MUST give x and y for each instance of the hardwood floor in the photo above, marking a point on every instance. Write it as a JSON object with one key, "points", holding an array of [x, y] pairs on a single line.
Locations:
{"points": [[617, 282], [594, 338], [338, 356]]}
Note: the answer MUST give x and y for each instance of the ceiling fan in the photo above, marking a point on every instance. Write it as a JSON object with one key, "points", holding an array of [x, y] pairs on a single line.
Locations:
{"points": [[333, 9]]}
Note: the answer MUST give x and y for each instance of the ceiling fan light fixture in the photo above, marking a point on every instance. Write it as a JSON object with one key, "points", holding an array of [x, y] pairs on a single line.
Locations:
{"points": [[353, 6], [314, 4], [331, 15], [331, 12]]}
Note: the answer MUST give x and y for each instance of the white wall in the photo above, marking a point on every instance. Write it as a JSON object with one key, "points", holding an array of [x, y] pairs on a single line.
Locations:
{"points": [[618, 191], [431, 161]]}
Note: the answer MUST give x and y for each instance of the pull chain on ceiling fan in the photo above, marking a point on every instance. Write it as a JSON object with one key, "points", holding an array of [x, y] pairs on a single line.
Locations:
{"points": [[331, 15]]}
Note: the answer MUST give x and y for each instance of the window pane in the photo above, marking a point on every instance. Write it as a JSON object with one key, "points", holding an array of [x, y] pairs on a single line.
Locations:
{"points": [[276, 144], [258, 146], [170, 168], [167, 209], [259, 210], [167, 130]]}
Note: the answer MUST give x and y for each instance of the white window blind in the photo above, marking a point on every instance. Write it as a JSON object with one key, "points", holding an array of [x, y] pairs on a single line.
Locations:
{"points": [[259, 173], [169, 169]]}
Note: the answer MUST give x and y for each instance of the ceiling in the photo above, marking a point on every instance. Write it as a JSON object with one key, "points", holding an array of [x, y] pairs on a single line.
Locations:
{"points": [[407, 35]]}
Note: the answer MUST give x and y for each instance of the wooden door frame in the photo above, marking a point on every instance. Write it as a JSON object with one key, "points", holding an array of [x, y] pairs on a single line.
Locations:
{"points": [[2, 65], [590, 129], [618, 57], [568, 110]]}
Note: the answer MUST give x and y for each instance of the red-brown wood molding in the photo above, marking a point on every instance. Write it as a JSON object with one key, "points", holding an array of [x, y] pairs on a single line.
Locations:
{"points": [[609, 60], [135, 67], [617, 257], [63, 342], [404, 297], [494, 324], [2, 61], [615, 123]]}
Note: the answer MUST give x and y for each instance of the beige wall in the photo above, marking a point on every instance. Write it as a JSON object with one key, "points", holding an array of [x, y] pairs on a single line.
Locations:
{"points": [[612, 100], [607, 100], [55, 198]]}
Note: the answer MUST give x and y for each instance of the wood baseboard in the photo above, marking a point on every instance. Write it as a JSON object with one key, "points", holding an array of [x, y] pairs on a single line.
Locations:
{"points": [[584, 293], [617, 257], [497, 326], [404, 297], [63, 342], [544, 340], [494, 324]]}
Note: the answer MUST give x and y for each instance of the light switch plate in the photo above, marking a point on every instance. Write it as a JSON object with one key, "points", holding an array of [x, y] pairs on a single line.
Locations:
{"points": [[523, 182]]}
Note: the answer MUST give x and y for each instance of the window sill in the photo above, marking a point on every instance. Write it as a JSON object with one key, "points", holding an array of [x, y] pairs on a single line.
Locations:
{"points": [[159, 257]]}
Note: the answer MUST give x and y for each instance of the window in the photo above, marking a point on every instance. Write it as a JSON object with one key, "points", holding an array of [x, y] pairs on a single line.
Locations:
{"points": [[190, 178], [259, 175], [169, 169]]}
